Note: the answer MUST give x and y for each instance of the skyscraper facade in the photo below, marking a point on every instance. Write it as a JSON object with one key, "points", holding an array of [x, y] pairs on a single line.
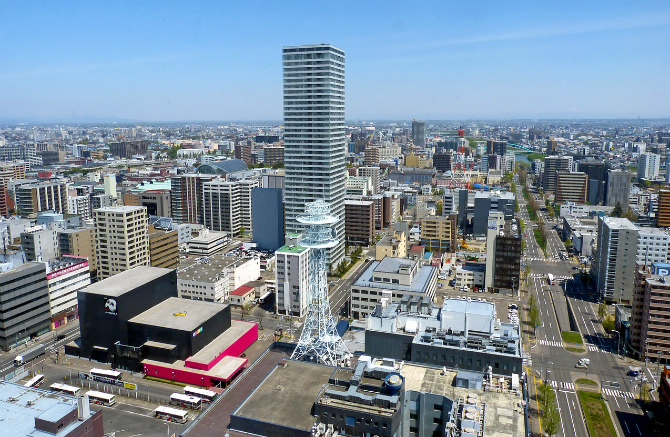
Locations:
{"points": [[314, 138], [419, 133]]}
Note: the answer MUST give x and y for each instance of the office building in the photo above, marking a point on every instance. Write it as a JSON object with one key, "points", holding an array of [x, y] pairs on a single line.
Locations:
{"points": [[42, 196], [103, 201], [24, 304], [552, 165], [648, 166], [371, 155], [652, 245], [227, 205], [663, 209], [292, 276], [503, 258], [393, 278], [28, 411], [618, 189], [571, 187], [267, 218], [65, 277], [110, 185], [273, 155], [79, 243], [121, 235], [187, 197], [419, 134], [494, 147], [79, 205], [157, 202], [9, 171], [442, 161], [163, 247], [314, 138], [613, 269], [212, 278], [207, 243], [359, 222], [461, 334], [128, 149], [438, 233], [484, 202], [654, 342], [596, 172]]}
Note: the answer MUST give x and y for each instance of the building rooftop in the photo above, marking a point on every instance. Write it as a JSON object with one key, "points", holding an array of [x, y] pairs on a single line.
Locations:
{"points": [[18, 418], [179, 314], [153, 185], [619, 223], [292, 249], [393, 265], [120, 209], [419, 284], [125, 281], [241, 291], [358, 202], [223, 167], [291, 390], [21, 267], [208, 268], [207, 237]]}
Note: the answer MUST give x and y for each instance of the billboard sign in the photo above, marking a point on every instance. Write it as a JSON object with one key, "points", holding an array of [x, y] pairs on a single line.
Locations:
{"points": [[110, 306]]}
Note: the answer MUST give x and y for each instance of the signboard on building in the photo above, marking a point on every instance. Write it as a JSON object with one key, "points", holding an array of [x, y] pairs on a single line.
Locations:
{"points": [[110, 306]]}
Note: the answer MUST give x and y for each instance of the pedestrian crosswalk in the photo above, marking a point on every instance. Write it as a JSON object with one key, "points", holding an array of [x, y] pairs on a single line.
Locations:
{"points": [[544, 275], [533, 258], [618, 393], [562, 385], [551, 343], [594, 348]]}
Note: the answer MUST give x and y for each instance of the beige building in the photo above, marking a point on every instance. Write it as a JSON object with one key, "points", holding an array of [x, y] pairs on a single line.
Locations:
{"points": [[571, 187], [79, 242], [36, 197], [439, 232], [394, 245], [121, 234], [163, 248]]}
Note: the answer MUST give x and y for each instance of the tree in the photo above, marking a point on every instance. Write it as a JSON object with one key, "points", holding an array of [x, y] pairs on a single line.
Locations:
{"points": [[242, 231], [568, 244], [602, 311], [551, 419], [645, 392], [244, 310], [438, 211], [608, 323], [616, 211], [534, 317]]}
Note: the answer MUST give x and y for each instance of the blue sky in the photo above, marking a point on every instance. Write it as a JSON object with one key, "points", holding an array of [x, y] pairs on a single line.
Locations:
{"points": [[221, 61]]}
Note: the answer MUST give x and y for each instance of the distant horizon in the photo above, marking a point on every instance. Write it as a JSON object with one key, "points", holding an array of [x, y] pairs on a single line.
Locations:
{"points": [[154, 61]]}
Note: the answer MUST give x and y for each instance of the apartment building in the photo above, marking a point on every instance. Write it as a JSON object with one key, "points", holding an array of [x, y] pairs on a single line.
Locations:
{"points": [[227, 205], [371, 155], [79, 243], [655, 338], [613, 269], [663, 209], [9, 171], [648, 166], [292, 276], [187, 197], [35, 197], [552, 165], [121, 235], [571, 187], [163, 247], [374, 173], [79, 205], [359, 228], [40, 243], [439, 232]]}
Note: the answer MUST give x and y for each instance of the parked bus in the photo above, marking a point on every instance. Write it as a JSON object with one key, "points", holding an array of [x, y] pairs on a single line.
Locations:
{"points": [[171, 414], [104, 375], [35, 381], [205, 395], [550, 279], [66, 389], [185, 401], [98, 397]]}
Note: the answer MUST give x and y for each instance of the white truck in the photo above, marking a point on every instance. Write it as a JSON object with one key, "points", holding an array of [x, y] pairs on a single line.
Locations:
{"points": [[29, 354], [583, 363]]}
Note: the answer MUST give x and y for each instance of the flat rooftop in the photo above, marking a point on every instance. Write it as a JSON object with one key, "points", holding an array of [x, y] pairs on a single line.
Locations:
{"points": [[18, 419], [223, 370], [208, 269], [207, 354], [292, 249], [125, 281], [504, 416], [393, 265], [291, 391], [179, 314], [208, 238]]}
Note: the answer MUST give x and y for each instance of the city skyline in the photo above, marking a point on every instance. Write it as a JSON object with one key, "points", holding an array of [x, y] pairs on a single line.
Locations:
{"points": [[158, 62]]}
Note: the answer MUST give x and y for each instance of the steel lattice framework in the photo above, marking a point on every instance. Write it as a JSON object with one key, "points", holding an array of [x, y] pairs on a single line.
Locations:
{"points": [[319, 340]]}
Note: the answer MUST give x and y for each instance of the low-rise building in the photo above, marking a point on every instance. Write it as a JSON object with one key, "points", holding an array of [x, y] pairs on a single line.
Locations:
{"points": [[207, 243], [470, 275], [242, 296], [395, 277], [213, 278], [39, 243], [463, 334]]}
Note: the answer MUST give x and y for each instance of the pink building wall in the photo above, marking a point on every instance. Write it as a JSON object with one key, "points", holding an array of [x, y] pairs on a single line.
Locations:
{"points": [[234, 350]]}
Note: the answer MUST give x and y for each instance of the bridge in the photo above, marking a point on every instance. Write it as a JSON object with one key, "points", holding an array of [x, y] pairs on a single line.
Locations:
{"points": [[519, 146]]}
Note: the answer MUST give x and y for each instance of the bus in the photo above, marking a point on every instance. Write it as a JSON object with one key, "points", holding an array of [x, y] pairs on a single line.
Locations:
{"points": [[171, 414], [104, 375], [66, 389], [98, 397], [550, 279], [185, 401], [206, 395], [35, 381]]}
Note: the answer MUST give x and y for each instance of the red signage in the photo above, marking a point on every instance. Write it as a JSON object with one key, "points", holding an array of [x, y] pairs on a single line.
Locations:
{"points": [[68, 269]]}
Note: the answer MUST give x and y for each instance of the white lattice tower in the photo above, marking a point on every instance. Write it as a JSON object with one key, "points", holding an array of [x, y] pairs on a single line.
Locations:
{"points": [[319, 340]]}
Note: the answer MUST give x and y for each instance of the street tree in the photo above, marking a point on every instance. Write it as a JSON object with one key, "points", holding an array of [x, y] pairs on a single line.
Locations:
{"points": [[551, 420], [602, 311]]}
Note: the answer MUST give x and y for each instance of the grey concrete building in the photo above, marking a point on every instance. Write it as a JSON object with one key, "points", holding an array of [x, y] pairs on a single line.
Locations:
{"points": [[24, 304], [487, 201], [461, 334], [553, 164], [614, 266], [618, 188], [267, 218], [419, 133]]}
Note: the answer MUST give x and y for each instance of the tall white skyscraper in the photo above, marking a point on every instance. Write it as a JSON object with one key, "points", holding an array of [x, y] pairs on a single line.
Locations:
{"points": [[314, 138]]}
